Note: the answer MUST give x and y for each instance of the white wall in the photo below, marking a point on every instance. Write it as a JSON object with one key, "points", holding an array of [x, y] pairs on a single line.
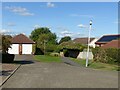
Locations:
{"points": [[26, 48], [83, 55], [92, 43], [14, 49]]}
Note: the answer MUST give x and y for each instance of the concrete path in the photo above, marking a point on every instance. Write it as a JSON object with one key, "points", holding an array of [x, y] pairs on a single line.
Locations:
{"points": [[68, 61], [60, 75]]}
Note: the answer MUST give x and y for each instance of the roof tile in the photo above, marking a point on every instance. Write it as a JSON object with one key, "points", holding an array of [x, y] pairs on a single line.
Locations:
{"points": [[22, 39]]}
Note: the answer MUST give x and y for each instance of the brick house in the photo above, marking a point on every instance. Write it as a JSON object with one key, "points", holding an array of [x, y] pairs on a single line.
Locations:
{"points": [[109, 41]]}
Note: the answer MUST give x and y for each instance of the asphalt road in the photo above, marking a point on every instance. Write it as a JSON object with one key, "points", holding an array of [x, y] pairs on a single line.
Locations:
{"points": [[60, 75]]}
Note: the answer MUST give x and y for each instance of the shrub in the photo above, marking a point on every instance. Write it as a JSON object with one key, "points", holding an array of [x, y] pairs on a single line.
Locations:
{"points": [[38, 51], [8, 58], [110, 55], [55, 54]]}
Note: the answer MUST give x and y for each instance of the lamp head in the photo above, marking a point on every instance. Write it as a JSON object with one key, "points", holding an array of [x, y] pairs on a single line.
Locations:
{"points": [[90, 22]]}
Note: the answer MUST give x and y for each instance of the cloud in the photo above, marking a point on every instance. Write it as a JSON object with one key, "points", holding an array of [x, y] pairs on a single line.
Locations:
{"points": [[9, 32], [4, 31], [50, 5], [36, 26], [11, 24], [71, 34], [19, 10], [79, 15], [66, 33], [82, 26]]}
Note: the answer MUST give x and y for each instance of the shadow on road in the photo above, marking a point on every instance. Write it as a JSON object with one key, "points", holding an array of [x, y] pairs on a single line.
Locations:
{"points": [[5, 72], [23, 62]]}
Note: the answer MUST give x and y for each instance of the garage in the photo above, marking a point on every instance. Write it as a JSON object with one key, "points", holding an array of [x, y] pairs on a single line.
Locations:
{"points": [[21, 44]]}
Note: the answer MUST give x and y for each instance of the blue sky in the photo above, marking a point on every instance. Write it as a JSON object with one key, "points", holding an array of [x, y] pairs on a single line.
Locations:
{"points": [[63, 18]]}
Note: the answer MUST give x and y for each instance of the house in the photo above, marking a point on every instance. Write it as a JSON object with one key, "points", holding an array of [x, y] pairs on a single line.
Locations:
{"points": [[85, 41], [112, 44], [106, 38], [21, 44]]}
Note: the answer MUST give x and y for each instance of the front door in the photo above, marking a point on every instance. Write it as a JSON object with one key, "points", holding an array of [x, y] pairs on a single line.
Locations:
{"points": [[20, 49]]}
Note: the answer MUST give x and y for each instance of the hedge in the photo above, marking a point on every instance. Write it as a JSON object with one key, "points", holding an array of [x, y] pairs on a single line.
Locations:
{"points": [[8, 58], [110, 55]]}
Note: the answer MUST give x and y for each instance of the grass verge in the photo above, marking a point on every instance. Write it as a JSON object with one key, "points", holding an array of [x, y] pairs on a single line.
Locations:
{"points": [[97, 65], [46, 58]]}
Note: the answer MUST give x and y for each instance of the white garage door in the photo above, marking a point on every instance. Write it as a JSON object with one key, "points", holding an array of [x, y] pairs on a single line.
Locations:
{"points": [[14, 49], [26, 48]]}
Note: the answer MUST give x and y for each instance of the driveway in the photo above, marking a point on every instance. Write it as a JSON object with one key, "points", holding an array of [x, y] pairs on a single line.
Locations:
{"points": [[60, 75]]}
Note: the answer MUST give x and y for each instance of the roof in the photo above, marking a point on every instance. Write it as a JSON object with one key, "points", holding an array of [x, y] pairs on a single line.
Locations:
{"points": [[82, 40], [21, 39], [112, 44], [107, 38]]}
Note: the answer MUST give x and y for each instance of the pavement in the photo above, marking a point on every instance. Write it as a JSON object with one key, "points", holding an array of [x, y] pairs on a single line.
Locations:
{"points": [[70, 62], [34, 74]]}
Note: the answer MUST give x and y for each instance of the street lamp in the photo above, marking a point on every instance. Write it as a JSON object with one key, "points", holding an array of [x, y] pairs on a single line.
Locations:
{"points": [[87, 56]]}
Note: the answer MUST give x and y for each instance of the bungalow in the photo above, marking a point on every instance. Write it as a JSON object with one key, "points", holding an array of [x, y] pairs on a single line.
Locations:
{"points": [[106, 39], [85, 41], [112, 44], [21, 44]]}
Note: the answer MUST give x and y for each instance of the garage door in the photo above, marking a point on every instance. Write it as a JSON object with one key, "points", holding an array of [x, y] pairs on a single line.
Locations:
{"points": [[14, 49], [26, 48]]}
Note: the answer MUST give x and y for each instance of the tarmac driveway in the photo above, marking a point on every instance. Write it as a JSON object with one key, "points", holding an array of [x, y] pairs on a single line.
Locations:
{"points": [[60, 75]]}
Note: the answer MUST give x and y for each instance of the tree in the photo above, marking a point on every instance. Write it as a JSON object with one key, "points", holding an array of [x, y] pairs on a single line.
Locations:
{"points": [[6, 43], [0, 42], [39, 31], [44, 38], [45, 41], [65, 39]]}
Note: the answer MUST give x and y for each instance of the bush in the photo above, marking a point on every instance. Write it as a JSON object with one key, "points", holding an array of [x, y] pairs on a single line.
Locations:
{"points": [[50, 47], [8, 58], [38, 51], [110, 55]]}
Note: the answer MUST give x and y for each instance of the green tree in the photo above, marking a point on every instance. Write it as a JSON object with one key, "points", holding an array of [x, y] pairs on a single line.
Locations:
{"points": [[38, 31], [44, 38], [65, 39], [6, 43], [46, 41], [0, 41]]}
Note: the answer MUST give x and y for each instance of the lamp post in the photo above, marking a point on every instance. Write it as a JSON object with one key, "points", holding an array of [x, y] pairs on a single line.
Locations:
{"points": [[87, 56]]}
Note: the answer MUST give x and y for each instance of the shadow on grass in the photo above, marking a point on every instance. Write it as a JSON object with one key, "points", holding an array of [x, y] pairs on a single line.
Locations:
{"points": [[23, 62]]}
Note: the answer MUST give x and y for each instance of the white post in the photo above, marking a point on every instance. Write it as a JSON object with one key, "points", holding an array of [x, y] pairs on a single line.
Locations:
{"points": [[87, 56]]}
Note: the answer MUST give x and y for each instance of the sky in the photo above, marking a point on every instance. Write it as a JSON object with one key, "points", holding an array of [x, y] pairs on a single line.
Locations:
{"points": [[63, 18]]}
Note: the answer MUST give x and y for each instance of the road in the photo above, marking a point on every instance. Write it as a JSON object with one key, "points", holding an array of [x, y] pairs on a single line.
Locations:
{"points": [[60, 75]]}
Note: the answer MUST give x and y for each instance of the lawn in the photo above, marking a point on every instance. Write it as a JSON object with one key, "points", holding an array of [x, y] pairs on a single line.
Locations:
{"points": [[46, 58], [92, 64], [97, 65]]}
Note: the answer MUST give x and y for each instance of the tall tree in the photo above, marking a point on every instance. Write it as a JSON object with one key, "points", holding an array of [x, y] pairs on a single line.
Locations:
{"points": [[38, 31], [65, 39], [0, 41], [43, 37], [6, 43]]}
